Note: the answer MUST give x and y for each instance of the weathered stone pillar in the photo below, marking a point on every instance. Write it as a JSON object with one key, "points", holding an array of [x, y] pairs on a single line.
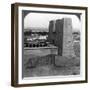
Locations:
{"points": [[68, 49], [64, 42], [59, 36], [64, 38], [51, 30]]}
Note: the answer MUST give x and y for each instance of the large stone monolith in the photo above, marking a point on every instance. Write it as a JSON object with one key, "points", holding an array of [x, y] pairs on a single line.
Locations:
{"points": [[64, 37]]}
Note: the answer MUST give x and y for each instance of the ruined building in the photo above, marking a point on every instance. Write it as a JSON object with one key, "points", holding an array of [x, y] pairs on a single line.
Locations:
{"points": [[60, 34]]}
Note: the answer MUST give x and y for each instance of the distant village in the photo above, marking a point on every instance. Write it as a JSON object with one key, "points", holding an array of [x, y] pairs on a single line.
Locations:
{"points": [[35, 39], [30, 36]]}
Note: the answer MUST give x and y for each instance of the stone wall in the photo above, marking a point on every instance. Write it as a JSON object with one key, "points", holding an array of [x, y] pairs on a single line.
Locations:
{"points": [[62, 36], [68, 49]]}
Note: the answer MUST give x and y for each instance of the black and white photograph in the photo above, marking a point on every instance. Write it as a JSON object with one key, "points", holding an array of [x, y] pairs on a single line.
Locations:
{"points": [[51, 44]]}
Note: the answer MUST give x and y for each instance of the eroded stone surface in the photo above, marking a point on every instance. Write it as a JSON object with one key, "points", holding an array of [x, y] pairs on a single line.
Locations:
{"points": [[60, 34]]}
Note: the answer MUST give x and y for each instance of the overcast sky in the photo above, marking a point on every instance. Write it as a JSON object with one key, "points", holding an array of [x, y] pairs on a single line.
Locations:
{"points": [[42, 20]]}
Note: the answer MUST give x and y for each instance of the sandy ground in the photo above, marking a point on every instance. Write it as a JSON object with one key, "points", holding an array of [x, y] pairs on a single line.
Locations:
{"points": [[51, 70], [45, 65]]}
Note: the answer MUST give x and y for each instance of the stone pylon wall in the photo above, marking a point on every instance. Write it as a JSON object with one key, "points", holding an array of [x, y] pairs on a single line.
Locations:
{"points": [[51, 30], [59, 36], [60, 33], [68, 49]]}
